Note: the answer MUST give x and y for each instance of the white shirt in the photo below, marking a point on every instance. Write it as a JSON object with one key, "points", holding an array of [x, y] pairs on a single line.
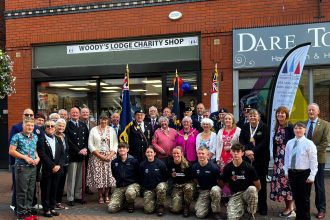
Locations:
{"points": [[52, 143], [306, 156]]}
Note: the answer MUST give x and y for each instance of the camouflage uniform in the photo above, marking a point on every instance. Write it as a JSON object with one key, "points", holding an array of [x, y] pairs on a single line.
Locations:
{"points": [[118, 196], [181, 192], [149, 197], [203, 201], [241, 201]]}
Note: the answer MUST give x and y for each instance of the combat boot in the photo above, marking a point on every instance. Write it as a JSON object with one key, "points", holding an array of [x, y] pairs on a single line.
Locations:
{"points": [[160, 210], [186, 211], [130, 207]]}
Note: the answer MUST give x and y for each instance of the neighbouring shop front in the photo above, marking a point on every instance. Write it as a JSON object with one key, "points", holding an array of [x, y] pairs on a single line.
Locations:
{"points": [[91, 73], [257, 53]]}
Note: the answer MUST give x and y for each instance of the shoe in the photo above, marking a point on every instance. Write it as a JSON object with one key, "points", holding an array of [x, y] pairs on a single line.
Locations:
{"points": [[70, 203], [290, 214], [107, 200], [48, 214], [217, 216], [160, 210], [130, 207], [186, 211], [101, 201], [81, 201], [59, 206], [320, 215], [54, 213], [37, 206], [263, 212]]}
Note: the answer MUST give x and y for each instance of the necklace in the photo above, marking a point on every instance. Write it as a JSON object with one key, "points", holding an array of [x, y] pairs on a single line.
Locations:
{"points": [[187, 134]]}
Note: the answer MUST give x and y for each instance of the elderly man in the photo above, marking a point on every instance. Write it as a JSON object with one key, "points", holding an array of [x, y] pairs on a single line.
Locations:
{"points": [[77, 133], [139, 135], [318, 131], [64, 114], [153, 119], [85, 117], [115, 119]]}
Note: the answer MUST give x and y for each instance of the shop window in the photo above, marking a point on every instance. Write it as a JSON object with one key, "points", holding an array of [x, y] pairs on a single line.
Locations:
{"points": [[53, 96], [321, 81]]}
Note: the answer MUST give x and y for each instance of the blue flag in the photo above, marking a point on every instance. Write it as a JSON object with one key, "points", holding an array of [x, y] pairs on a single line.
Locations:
{"points": [[125, 115]]}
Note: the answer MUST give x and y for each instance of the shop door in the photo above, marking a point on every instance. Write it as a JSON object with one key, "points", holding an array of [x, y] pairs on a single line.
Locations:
{"points": [[4, 134]]}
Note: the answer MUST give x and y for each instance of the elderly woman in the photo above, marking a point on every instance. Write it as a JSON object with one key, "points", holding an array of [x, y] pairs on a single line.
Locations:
{"points": [[255, 137], [227, 136], [54, 117], [207, 138], [187, 140], [164, 139], [103, 144], [279, 188], [51, 152], [59, 132]]}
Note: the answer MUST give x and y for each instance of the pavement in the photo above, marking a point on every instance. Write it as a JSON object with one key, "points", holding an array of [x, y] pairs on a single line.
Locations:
{"points": [[94, 211]]}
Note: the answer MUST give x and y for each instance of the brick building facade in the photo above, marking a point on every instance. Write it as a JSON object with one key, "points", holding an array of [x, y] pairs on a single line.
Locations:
{"points": [[37, 23]]}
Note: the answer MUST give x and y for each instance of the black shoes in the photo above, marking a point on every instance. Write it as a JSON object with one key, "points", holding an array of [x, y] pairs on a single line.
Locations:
{"points": [[160, 210], [130, 207], [186, 211], [54, 213], [70, 203], [81, 201], [48, 214]]}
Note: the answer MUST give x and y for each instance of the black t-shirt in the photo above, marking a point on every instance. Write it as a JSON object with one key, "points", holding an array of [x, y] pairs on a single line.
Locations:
{"points": [[206, 176], [152, 173], [179, 175], [239, 178]]}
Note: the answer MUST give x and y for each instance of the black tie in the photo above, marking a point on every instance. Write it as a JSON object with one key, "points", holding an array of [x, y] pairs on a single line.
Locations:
{"points": [[310, 131]]}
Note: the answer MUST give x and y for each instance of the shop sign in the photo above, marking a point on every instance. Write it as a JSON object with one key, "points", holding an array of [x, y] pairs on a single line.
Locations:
{"points": [[266, 47], [133, 45]]}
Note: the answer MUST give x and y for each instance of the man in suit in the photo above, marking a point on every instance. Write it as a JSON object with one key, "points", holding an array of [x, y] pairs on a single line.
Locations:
{"points": [[51, 152], [153, 119], [77, 133], [90, 123], [318, 131], [197, 118], [115, 119], [245, 116], [139, 136]]}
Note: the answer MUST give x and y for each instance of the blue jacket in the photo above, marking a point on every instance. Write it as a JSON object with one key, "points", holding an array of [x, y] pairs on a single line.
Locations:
{"points": [[125, 172]]}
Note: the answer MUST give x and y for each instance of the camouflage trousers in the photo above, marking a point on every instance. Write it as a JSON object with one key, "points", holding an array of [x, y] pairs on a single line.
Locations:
{"points": [[119, 195], [182, 194], [203, 201], [154, 197], [241, 201]]}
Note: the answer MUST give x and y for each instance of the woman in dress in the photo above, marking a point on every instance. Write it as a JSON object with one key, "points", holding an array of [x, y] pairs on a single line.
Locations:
{"points": [[164, 139], [255, 137], [207, 138], [60, 128], [279, 188], [187, 140], [227, 136], [103, 144]]}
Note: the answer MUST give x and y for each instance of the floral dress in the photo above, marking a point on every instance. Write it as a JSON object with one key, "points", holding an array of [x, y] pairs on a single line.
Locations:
{"points": [[279, 187], [99, 173]]}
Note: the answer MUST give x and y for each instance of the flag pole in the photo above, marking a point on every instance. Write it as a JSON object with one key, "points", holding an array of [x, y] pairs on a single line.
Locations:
{"points": [[218, 83], [177, 79]]}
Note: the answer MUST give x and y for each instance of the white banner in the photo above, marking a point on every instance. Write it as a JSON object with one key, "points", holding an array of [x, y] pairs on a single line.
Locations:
{"points": [[287, 83], [133, 45]]}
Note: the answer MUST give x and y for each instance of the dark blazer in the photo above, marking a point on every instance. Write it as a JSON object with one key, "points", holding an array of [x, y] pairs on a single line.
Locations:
{"points": [[119, 130], [321, 139], [289, 134], [153, 129], [196, 124], [46, 156], [139, 141], [261, 149], [77, 140]]}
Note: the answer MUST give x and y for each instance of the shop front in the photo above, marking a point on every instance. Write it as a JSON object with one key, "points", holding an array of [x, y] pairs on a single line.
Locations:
{"points": [[257, 54], [91, 74]]}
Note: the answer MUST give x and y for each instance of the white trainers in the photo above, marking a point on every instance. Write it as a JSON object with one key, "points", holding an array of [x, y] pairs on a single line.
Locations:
{"points": [[290, 214], [37, 206]]}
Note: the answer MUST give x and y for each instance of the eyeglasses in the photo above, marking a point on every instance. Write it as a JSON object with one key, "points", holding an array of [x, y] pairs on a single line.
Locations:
{"points": [[28, 115], [50, 126]]}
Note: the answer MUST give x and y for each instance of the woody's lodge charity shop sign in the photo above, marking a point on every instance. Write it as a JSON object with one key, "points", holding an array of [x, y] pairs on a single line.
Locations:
{"points": [[133, 45], [266, 47]]}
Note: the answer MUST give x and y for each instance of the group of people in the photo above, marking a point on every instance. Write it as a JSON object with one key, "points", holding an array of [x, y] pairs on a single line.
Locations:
{"points": [[209, 155]]}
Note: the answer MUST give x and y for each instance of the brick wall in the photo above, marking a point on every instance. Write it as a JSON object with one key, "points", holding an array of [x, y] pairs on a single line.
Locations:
{"points": [[2, 25], [214, 20]]}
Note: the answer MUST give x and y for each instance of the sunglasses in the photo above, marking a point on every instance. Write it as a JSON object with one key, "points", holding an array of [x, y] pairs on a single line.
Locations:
{"points": [[28, 115], [50, 126]]}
